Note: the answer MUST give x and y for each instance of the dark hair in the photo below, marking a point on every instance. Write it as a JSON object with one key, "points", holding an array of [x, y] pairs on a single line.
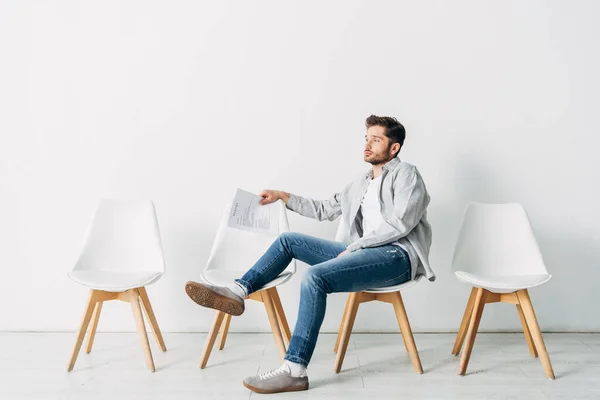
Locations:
{"points": [[394, 130]]}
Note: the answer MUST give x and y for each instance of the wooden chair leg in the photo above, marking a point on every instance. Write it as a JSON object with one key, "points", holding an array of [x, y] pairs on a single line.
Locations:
{"points": [[528, 338], [224, 330], [87, 315], [134, 299], [339, 335], [407, 335], [147, 307], [348, 323], [268, 302], [212, 336], [534, 328], [478, 305], [92, 330], [460, 338], [285, 328]]}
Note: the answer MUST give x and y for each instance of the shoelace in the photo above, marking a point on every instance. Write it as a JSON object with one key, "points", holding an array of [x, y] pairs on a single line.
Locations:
{"points": [[272, 373]]}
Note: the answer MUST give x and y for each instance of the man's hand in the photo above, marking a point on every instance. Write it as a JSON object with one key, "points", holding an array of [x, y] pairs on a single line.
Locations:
{"points": [[343, 253], [270, 196]]}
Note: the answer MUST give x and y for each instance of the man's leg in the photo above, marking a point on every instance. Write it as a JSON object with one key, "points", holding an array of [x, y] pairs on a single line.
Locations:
{"points": [[357, 271], [361, 270], [287, 246]]}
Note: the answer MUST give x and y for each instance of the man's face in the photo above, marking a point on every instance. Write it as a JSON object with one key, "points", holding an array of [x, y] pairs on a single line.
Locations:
{"points": [[377, 146]]}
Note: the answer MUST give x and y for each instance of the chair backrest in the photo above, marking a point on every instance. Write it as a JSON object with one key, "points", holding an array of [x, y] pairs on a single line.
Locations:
{"points": [[342, 231], [123, 237], [497, 240], [238, 250]]}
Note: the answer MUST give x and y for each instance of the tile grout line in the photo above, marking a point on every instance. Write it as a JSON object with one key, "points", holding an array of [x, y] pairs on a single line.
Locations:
{"points": [[257, 369], [362, 378], [544, 393]]}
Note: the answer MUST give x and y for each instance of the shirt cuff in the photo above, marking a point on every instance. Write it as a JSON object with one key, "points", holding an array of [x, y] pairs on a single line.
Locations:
{"points": [[293, 202]]}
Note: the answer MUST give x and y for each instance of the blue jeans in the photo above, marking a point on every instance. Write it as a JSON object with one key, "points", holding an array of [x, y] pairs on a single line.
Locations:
{"points": [[363, 269]]}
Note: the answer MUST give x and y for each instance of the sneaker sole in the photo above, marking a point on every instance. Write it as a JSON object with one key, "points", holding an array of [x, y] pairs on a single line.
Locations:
{"points": [[282, 390], [205, 297]]}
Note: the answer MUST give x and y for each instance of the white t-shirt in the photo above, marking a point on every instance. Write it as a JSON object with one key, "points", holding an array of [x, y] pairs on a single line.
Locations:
{"points": [[370, 208]]}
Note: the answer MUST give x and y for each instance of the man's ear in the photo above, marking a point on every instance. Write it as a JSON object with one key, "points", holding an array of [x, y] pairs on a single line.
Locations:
{"points": [[396, 146]]}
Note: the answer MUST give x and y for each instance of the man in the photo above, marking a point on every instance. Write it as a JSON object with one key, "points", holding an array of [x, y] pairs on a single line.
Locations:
{"points": [[389, 240]]}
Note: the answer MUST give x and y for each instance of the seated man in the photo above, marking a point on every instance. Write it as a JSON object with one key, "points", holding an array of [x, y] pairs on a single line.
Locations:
{"points": [[389, 236]]}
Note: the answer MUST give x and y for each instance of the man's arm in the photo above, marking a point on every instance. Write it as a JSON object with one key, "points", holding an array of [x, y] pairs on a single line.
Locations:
{"points": [[318, 209], [410, 202]]}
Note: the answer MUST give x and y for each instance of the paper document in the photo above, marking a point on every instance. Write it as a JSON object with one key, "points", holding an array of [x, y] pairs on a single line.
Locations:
{"points": [[248, 215]]}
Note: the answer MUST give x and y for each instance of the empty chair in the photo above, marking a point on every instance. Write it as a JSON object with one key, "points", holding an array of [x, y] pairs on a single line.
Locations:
{"points": [[122, 255], [390, 294], [497, 254], [234, 251]]}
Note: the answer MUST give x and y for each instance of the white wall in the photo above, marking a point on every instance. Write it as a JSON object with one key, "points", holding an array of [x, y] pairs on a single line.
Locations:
{"points": [[182, 102]]}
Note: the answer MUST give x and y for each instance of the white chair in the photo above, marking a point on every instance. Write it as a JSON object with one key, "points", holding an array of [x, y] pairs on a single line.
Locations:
{"points": [[122, 254], [496, 253], [390, 294], [234, 251]]}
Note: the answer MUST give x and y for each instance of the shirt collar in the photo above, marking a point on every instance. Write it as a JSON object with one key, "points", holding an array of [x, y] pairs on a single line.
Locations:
{"points": [[388, 166]]}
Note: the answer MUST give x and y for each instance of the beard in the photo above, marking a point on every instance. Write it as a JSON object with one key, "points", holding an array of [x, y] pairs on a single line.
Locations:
{"points": [[376, 158]]}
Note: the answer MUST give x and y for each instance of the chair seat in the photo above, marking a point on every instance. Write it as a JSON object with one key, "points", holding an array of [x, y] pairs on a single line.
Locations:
{"points": [[227, 277], [111, 281], [395, 288], [502, 284]]}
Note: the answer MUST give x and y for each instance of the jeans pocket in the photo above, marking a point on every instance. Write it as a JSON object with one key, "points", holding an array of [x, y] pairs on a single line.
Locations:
{"points": [[404, 277]]}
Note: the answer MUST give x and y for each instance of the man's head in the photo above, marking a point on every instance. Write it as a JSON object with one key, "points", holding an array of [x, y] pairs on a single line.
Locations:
{"points": [[384, 138]]}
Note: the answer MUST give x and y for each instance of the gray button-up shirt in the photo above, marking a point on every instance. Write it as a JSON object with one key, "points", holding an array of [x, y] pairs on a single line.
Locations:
{"points": [[404, 200]]}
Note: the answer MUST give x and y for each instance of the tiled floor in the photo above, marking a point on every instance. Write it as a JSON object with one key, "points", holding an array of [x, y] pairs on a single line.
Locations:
{"points": [[33, 366]]}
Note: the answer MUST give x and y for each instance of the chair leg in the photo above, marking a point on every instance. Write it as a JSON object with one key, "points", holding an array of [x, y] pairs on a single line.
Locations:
{"points": [[534, 328], [147, 307], [478, 305], [283, 323], [92, 330], [407, 335], [134, 299], [527, 332], [460, 338], [87, 315], [348, 323], [339, 335], [224, 330], [270, 308], [212, 336]]}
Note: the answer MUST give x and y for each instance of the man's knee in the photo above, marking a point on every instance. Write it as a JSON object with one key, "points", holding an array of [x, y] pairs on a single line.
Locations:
{"points": [[287, 235], [313, 278], [287, 238]]}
